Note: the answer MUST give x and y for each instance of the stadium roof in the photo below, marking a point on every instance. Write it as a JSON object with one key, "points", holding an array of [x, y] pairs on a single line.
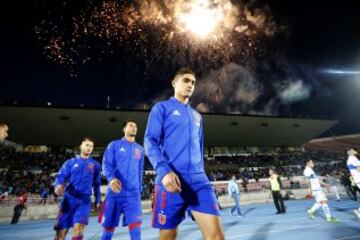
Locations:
{"points": [[337, 144], [66, 126]]}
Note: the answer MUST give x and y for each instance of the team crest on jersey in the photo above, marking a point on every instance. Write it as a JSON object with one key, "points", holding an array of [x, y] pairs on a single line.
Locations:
{"points": [[197, 118], [137, 154], [162, 219], [91, 167]]}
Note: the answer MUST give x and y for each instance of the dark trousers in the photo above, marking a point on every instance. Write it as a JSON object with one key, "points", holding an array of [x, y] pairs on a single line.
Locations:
{"points": [[278, 201], [354, 189], [17, 213]]}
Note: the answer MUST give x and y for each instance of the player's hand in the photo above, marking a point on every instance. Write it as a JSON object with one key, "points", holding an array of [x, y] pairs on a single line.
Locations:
{"points": [[171, 182], [115, 185], [59, 190]]}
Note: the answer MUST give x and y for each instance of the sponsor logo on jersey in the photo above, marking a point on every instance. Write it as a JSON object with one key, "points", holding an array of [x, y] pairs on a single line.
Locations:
{"points": [[137, 154]]}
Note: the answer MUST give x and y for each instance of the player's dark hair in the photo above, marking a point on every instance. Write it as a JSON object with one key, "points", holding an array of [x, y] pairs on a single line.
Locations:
{"points": [[182, 71], [126, 123], [88, 139]]}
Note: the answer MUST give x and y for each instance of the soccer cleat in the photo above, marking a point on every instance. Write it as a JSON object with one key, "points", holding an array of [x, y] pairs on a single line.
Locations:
{"points": [[332, 220], [311, 214]]}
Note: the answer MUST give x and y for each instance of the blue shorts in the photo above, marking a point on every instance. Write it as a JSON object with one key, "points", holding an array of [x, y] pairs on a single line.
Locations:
{"points": [[170, 208], [73, 210], [114, 207]]}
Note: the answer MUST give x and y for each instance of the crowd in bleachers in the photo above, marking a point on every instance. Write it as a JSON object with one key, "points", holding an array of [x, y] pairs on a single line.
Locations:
{"points": [[257, 166], [33, 172]]}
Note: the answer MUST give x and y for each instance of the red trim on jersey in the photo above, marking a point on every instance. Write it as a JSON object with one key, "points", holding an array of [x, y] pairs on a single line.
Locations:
{"points": [[155, 205], [163, 200]]}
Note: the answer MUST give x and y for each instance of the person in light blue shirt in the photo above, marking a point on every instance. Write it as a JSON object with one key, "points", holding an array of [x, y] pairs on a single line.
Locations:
{"points": [[234, 191]]}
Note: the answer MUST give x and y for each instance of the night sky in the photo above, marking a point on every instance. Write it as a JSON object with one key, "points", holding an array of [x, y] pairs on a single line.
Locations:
{"points": [[82, 52]]}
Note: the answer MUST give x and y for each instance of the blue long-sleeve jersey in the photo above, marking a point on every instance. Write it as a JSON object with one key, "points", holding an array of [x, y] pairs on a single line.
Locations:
{"points": [[124, 160], [174, 141], [80, 175]]}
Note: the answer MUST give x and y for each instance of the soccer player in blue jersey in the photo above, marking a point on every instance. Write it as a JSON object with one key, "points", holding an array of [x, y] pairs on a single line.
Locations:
{"points": [[123, 165], [75, 180], [174, 144]]}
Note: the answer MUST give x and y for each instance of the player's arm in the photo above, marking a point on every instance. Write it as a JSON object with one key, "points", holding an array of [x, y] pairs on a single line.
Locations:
{"points": [[61, 178], [201, 139], [96, 185], [109, 168], [307, 176], [279, 181], [229, 189], [152, 141]]}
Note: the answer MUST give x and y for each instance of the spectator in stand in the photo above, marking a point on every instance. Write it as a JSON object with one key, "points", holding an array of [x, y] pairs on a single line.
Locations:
{"points": [[44, 196], [18, 209], [234, 191]]}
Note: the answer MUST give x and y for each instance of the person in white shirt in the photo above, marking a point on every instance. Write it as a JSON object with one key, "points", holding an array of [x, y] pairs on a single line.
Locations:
{"points": [[233, 191], [333, 182], [353, 164], [317, 193]]}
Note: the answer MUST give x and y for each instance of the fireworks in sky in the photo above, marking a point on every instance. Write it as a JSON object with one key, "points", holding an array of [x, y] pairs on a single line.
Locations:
{"points": [[206, 33], [151, 39]]}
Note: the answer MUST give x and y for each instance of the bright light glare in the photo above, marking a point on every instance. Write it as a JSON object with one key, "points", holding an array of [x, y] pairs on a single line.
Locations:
{"points": [[201, 19], [340, 72]]}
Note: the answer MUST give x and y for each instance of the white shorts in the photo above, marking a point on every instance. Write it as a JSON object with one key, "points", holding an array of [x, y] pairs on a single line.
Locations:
{"points": [[319, 196]]}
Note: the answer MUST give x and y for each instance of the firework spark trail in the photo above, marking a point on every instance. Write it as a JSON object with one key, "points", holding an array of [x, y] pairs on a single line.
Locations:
{"points": [[119, 23], [159, 36]]}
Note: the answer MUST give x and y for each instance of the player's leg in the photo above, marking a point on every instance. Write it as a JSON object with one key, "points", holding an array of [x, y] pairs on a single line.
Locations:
{"points": [[109, 217], [209, 225], [167, 234], [81, 217], [357, 211], [61, 234], [325, 208], [133, 216], [78, 231], [169, 211], [64, 219], [204, 208], [336, 192], [324, 204], [276, 201], [135, 231], [237, 204]]}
